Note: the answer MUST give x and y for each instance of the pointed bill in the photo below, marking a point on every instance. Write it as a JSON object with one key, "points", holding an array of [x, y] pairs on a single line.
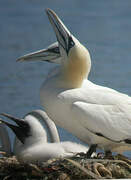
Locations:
{"points": [[63, 35], [18, 121], [51, 54], [22, 131]]}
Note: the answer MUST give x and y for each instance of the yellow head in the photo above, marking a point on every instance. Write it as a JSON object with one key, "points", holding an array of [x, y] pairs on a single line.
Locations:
{"points": [[77, 64]]}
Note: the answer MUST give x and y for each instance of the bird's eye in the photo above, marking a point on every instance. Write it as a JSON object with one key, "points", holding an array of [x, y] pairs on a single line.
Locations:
{"points": [[71, 42]]}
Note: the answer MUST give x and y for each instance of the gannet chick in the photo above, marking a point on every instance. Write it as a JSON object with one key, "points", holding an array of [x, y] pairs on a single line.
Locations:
{"points": [[33, 145], [97, 115]]}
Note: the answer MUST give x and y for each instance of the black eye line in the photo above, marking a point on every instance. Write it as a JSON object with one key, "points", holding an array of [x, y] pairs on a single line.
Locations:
{"points": [[25, 128], [71, 43]]}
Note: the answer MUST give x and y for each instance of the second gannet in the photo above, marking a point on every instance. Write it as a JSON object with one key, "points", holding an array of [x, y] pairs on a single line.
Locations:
{"points": [[97, 115], [31, 144]]}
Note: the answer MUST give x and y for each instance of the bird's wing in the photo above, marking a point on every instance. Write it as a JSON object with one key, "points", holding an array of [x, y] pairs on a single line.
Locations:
{"points": [[110, 121], [101, 110], [94, 94], [72, 147]]}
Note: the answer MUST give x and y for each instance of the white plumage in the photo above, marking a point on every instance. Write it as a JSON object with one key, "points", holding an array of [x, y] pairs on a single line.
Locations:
{"points": [[97, 115], [31, 144]]}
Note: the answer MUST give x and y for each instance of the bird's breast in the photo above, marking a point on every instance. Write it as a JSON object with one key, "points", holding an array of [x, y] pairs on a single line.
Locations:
{"points": [[61, 112], [53, 105]]}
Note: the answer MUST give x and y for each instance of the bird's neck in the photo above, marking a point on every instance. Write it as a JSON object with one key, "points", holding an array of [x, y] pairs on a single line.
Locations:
{"points": [[75, 72]]}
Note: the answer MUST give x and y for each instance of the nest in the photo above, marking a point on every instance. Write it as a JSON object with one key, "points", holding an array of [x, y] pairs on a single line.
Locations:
{"points": [[74, 168]]}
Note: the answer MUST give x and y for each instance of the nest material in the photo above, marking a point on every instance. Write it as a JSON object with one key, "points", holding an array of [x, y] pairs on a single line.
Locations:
{"points": [[74, 168]]}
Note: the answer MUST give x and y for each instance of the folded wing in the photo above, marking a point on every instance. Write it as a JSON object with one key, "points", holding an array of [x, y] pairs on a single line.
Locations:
{"points": [[110, 121]]}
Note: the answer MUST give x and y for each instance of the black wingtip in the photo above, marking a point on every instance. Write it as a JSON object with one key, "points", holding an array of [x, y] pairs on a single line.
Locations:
{"points": [[128, 141]]}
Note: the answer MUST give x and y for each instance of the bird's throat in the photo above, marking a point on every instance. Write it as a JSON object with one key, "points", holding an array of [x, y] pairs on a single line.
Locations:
{"points": [[75, 73]]}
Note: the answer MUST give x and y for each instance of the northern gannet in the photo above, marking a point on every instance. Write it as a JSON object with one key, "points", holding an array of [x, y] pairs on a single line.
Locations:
{"points": [[31, 144], [97, 115]]}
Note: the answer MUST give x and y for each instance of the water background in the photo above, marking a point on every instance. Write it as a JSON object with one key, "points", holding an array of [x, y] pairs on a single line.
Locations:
{"points": [[104, 27]]}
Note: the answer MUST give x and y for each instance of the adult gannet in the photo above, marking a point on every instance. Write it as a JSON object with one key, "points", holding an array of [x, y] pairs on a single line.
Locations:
{"points": [[97, 115], [32, 145]]}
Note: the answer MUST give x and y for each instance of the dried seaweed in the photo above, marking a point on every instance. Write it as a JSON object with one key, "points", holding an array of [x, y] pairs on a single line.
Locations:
{"points": [[77, 167]]}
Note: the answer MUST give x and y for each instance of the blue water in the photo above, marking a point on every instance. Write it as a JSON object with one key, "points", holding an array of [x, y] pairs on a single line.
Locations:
{"points": [[104, 27]]}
